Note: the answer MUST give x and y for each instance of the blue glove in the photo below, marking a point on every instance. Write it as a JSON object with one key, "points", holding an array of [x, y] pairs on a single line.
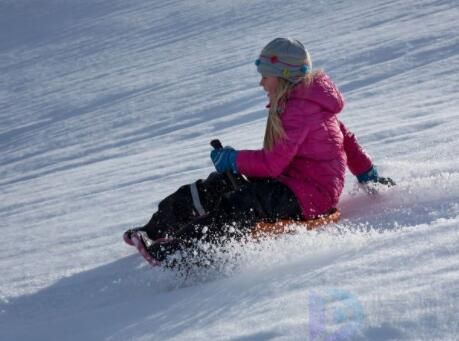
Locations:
{"points": [[372, 175], [224, 159]]}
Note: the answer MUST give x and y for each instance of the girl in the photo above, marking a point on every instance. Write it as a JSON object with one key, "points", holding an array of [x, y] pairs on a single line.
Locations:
{"points": [[298, 174]]}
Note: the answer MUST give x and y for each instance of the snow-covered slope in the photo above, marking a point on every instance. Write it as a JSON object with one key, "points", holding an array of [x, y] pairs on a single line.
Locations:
{"points": [[108, 106]]}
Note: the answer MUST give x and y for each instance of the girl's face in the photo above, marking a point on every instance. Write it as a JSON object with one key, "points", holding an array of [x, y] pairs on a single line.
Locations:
{"points": [[269, 84]]}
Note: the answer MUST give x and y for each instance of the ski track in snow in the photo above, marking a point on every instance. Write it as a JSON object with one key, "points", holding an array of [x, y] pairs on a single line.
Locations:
{"points": [[108, 106]]}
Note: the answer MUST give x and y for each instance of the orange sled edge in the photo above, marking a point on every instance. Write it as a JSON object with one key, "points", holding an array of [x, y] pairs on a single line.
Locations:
{"points": [[282, 226]]}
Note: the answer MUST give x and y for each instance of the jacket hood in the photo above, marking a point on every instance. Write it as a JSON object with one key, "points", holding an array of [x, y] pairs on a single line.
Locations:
{"points": [[323, 92]]}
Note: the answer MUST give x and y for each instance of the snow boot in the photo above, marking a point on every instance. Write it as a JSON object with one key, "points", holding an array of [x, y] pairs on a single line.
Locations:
{"points": [[127, 236], [142, 242], [155, 251]]}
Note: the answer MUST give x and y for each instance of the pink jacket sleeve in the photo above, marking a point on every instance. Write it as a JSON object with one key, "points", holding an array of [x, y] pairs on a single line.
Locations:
{"points": [[263, 163], [358, 161]]}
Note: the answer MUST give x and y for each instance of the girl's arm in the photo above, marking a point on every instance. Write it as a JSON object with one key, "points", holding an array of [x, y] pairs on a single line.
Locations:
{"points": [[358, 161]]}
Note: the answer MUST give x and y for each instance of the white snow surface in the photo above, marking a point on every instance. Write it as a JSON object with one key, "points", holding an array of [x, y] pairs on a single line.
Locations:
{"points": [[107, 106]]}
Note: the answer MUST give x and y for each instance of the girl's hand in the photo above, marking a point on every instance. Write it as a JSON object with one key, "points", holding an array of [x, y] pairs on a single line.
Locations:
{"points": [[224, 159], [372, 175]]}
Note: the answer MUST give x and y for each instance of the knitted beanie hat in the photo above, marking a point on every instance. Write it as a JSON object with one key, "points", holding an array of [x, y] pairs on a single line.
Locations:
{"points": [[285, 58]]}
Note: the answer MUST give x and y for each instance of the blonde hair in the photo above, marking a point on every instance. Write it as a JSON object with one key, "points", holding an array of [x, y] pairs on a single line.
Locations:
{"points": [[274, 129]]}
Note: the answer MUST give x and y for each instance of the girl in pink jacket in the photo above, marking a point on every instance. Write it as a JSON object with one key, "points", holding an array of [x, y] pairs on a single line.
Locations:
{"points": [[298, 174]]}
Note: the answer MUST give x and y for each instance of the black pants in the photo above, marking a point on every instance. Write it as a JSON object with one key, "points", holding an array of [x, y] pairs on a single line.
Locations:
{"points": [[216, 211]]}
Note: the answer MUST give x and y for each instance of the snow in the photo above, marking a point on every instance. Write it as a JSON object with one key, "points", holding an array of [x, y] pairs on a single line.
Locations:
{"points": [[108, 106]]}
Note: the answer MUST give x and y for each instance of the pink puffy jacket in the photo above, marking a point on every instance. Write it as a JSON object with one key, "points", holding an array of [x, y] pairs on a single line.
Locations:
{"points": [[311, 158]]}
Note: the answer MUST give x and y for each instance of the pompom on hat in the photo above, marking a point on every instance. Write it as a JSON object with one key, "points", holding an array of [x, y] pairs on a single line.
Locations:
{"points": [[285, 58]]}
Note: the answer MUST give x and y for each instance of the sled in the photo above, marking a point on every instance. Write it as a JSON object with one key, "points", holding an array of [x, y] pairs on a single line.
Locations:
{"points": [[283, 226]]}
